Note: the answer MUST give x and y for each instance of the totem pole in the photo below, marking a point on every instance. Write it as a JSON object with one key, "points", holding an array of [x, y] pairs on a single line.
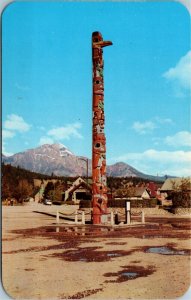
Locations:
{"points": [[99, 184]]}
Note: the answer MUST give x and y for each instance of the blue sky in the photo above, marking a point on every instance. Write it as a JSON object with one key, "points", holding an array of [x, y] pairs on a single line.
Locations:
{"points": [[47, 80]]}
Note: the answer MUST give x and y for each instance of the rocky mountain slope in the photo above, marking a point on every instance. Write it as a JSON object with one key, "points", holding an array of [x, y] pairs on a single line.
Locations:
{"points": [[122, 168], [58, 159]]}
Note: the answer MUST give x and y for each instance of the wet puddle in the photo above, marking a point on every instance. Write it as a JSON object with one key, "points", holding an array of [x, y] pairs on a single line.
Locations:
{"points": [[170, 229], [129, 273], [90, 254], [77, 230], [113, 254], [69, 231], [71, 237], [165, 250]]}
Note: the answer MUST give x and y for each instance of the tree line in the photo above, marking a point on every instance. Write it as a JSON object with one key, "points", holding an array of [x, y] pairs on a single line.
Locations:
{"points": [[18, 183]]}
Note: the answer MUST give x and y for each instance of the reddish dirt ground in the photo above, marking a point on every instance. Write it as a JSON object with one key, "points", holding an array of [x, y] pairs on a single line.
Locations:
{"points": [[49, 261]]}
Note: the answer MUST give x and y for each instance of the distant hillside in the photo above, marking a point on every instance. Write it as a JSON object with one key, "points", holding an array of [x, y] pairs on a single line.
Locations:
{"points": [[121, 169], [59, 160], [48, 159], [19, 183]]}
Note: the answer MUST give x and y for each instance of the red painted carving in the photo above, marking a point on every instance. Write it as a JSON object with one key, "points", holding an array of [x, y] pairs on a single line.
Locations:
{"points": [[99, 188]]}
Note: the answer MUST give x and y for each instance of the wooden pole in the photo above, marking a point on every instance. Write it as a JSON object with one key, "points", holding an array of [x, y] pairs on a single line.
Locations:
{"points": [[112, 218], [57, 217], [83, 218], [76, 217], [143, 217]]}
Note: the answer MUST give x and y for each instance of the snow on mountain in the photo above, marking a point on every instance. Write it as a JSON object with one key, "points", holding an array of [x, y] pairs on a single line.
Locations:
{"points": [[48, 159], [58, 159]]}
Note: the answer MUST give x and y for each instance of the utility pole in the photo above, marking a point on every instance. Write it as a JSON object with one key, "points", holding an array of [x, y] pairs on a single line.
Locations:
{"points": [[86, 161], [99, 184]]}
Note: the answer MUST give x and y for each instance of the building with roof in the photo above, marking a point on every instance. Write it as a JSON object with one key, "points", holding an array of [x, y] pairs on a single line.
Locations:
{"points": [[172, 184], [140, 193], [79, 190]]}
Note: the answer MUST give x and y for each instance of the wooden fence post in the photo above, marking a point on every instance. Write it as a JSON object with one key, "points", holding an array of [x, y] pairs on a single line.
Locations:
{"points": [[76, 217], [143, 217], [112, 218], [57, 217], [83, 218]]}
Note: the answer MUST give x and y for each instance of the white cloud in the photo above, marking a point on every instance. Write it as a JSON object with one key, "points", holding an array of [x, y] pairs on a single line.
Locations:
{"points": [[151, 161], [180, 75], [4, 150], [160, 156], [70, 130], [149, 125], [6, 134], [144, 127], [164, 120], [16, 123], [12, 125], [46, 140], [181, 138]]}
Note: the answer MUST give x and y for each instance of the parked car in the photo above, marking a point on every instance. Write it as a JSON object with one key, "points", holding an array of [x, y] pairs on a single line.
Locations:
{"points": [[47, 202]]}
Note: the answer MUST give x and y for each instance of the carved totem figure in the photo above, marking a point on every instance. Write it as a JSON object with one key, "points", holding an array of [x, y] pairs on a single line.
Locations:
{"points": [[99, 185]]}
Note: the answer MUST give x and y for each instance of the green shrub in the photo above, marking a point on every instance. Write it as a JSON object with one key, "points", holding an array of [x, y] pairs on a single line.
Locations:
{"points": [[153, 202], [181, 199], [134, 203], [116, 203]]}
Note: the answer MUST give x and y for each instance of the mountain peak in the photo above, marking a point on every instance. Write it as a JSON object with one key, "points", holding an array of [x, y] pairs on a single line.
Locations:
{"points": [[58, 159], [120, 163], [58, 147]]}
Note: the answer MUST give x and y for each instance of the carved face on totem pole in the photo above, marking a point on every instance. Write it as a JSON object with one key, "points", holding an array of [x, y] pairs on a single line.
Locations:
{"points": [[99, 188]]}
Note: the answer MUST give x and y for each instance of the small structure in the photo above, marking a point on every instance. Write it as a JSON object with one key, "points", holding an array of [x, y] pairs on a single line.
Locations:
{"points": [[79, 190], [172, 184], [140, 193]]}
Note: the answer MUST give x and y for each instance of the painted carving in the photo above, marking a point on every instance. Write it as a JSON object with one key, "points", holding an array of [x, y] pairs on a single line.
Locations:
{"points": [[99, 188]]}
